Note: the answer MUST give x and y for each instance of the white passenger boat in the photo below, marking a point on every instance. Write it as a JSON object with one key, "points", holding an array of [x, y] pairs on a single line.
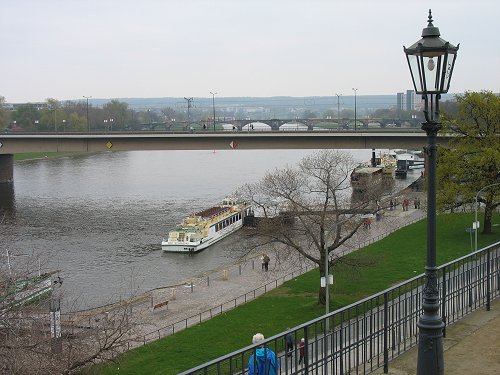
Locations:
{"points": [[205, 228], [409, 159]]}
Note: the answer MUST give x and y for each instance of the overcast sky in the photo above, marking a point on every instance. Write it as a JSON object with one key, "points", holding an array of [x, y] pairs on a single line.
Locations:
{"points": [[65, 49]]}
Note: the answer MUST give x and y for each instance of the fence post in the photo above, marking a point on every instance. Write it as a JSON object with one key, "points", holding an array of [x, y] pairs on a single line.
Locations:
{"points": [[443, 302], [488, 274], [386, 329], [306, 349]]}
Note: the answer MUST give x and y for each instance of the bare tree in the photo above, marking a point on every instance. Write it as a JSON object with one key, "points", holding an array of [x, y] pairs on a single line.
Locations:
{"points": [[310, 208], [34, 341]]}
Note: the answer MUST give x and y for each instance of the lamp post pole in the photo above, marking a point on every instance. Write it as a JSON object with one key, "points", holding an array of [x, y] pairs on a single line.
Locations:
{"points": [[338, 110], [189, 101], [431, 78], [213, 105], [355, 111], [476, 223], [88, 123]]}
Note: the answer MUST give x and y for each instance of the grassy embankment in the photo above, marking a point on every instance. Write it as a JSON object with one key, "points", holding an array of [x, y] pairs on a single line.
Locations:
{"points": [[395, 258]]}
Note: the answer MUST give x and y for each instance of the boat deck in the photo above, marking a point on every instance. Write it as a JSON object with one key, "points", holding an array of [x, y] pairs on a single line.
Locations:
{"points": [[209, 212]]}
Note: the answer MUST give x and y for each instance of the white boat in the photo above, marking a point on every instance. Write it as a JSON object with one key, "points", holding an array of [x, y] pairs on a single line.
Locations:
{"points": [[202, 229], [409, 159]]}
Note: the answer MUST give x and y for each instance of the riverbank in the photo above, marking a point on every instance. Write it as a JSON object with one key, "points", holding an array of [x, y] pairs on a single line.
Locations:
{"points": [[297, 301], [27, 156]]}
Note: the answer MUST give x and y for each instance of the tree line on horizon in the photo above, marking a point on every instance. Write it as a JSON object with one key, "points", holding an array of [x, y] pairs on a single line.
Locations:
{"points": [[71, 116]]}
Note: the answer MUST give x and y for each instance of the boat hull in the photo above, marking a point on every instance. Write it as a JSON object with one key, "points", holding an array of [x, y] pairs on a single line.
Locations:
{"points": [[187, 247]]}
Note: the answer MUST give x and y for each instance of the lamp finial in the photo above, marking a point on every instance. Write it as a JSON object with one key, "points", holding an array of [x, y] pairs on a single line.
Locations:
{"points": [[429, 18]]}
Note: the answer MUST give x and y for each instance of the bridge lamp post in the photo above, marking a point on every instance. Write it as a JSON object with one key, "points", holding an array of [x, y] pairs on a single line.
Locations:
{"points": [[338, 110], [213, 105], [88, 123], [355, 113], [64, 125], [431, 61]]}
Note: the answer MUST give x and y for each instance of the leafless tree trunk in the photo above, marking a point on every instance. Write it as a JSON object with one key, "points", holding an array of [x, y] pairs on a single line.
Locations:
{"points": [[310, 208]]}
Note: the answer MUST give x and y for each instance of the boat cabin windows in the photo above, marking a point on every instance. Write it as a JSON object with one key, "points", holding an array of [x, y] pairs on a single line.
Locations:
{"points": [[229, 221]]}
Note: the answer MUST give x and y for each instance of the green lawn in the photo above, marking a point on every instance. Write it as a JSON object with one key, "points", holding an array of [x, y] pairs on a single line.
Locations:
{"points": [[395, 258]]}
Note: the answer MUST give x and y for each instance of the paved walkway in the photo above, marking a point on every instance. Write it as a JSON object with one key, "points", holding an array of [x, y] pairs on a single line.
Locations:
{"points": [[471, 346]]}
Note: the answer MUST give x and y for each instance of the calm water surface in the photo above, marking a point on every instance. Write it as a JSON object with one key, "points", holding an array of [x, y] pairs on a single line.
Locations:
{"points": [[99, 219]]}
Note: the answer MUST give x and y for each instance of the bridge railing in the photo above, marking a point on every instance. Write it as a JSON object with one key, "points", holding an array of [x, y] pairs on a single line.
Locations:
{"points": [[366, 335]]}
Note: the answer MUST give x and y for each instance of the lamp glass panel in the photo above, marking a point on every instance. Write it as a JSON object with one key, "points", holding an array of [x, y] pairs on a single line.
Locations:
{"points": [[448, 70], [431, 67], [413, 62]]}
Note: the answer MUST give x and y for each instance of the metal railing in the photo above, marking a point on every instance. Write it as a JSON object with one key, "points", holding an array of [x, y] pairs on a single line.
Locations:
{"points": [[366, 335]]}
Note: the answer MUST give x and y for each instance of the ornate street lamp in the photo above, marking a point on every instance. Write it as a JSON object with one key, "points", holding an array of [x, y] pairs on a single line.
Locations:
{"points": [[431, 61]]}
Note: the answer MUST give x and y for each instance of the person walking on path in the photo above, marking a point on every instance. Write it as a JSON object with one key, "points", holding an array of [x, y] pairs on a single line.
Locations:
{"points": [[265, 262], [301, 350], [263, 360], [406, 203], [289, 343]]}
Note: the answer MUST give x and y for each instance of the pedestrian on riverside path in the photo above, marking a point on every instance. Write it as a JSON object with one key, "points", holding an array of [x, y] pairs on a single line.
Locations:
{"points": [[266, 261], [301, 350], [406, 203], [263, 361], [289, 343]]}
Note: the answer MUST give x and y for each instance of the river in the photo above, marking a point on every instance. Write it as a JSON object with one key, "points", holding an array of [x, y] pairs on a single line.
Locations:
{"points": [[100, 218]]}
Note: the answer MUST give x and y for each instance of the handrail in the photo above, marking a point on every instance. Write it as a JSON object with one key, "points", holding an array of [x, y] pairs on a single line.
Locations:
{"points": [[453, 297]]}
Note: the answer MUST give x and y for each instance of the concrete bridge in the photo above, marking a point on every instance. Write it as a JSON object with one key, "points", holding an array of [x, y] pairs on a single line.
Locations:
{"points": [[275, 124], [50, 142]]}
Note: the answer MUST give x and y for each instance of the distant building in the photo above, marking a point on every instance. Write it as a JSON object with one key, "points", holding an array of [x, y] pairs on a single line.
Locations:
{"points": [[399, 102], [405, 102], [37, 105], [410, 100]]}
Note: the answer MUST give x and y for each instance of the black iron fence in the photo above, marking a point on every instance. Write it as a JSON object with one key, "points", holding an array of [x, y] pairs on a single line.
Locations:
{"points": [[366, 335]]}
